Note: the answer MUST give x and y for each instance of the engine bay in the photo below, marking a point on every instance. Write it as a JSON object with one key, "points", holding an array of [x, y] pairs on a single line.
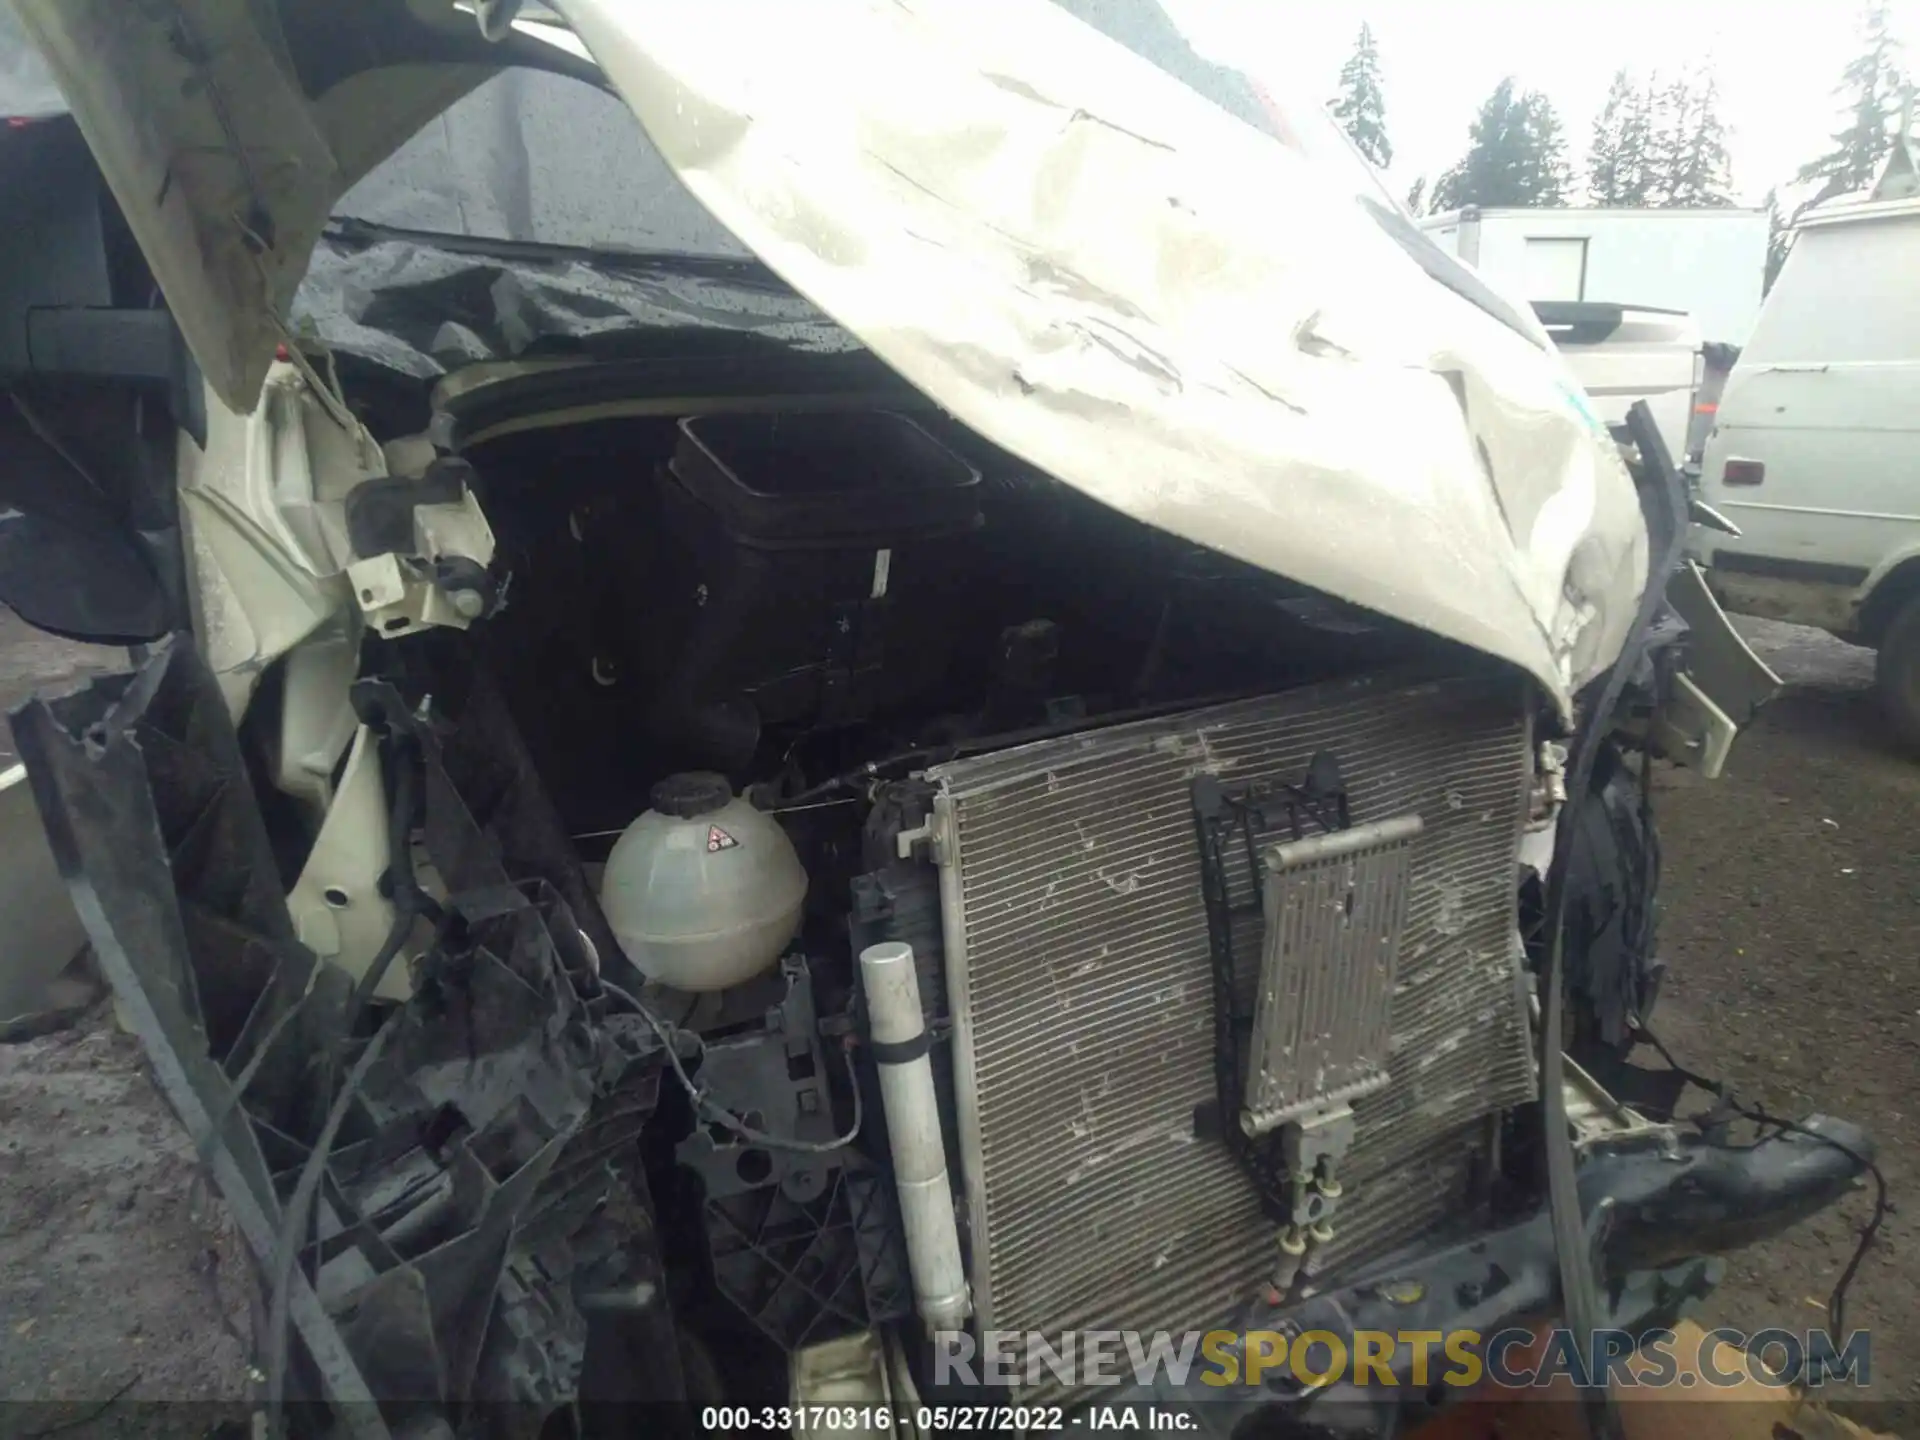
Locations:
{"points": [[783, 878], [666, 877], [793, 634], [756, 660]]}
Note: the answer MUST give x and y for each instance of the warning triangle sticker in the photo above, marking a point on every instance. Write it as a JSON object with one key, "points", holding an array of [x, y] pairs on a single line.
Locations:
{"points": [[718, 840]]}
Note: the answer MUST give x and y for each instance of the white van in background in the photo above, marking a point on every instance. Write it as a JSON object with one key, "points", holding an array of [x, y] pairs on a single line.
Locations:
{"points": [[1815, 453]]}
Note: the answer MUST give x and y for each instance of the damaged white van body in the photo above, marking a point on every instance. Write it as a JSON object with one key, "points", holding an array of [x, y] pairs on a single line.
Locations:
{"points": [[1183, 636]]}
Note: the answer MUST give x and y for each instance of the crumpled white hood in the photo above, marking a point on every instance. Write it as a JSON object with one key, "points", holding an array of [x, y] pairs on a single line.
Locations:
{"points": [[1191, 321]]}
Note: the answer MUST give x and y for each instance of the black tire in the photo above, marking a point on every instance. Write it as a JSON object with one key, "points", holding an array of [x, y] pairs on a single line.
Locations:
{"points": [[1896, 673]]}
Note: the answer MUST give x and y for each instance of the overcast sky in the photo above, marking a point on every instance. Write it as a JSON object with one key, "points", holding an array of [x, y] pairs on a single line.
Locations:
{"points": [[1777, 60]]}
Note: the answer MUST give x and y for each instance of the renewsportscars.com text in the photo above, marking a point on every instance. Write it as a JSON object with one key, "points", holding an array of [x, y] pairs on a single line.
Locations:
{"points": [[1460, 1358]]}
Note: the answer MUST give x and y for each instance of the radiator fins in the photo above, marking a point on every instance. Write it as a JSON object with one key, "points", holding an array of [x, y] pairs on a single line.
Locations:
{"points": [[1323, 1019], [1079, 979]]}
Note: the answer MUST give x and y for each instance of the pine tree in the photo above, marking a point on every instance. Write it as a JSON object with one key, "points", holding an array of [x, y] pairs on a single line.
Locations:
{"points": [[1417, 197], [1871, 87], [1669, 119], [1549, 177], [1778, 240], [1517, 155], [1699, 173], [1636, 175], [1619, 166], [1362, 108], [1660, 144], [1605, 152]]}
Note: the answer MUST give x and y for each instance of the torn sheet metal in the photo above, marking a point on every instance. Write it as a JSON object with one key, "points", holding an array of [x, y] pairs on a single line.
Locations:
{"points": [[1220, 332]]}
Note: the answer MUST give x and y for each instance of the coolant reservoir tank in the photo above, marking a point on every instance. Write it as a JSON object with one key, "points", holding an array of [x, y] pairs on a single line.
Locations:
{"points": [[703, 891]]}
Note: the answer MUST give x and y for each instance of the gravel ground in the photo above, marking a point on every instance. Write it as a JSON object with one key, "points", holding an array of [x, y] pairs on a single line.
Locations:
{"points": [[119, 1275], [1791, 929], [1792, 905]]}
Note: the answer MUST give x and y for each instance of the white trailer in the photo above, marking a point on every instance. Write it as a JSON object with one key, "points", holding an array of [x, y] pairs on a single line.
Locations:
{"points": [[1708, 263]]}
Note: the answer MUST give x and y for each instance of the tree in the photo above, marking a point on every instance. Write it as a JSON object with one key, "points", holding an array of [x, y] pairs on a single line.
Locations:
{"points": [[1517, 155], [1550, 177], [1417, 197], [1699, 170], [1617, 160], [1604, 150], [1871, 88], [1660, 144], [1669, 117], [1778, 240], [1362, 108]]}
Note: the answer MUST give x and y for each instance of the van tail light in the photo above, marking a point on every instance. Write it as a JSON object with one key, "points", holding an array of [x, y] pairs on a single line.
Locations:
{"points": [[1743, 472]]}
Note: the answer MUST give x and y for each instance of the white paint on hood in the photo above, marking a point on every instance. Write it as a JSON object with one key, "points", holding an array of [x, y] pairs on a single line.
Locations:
{"points": [[1206, 325], [1194, 322]]}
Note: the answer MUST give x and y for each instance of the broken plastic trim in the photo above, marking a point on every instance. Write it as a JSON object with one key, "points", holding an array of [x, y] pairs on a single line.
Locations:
{"points": [[499, 1118], [1662, 1209], [141, 784]]}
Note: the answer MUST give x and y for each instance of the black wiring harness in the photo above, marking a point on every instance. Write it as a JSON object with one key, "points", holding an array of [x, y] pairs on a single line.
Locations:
{"points": [[1667, 519], [707, 1109], [1728, 1104]]}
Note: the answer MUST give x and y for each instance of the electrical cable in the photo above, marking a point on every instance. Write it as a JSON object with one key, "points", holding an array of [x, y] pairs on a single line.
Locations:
{"points": [[294, 1219], [1882, 1207], [977, 744], [724, 1117], [89, 1415], [409, 900], [50, 437]]}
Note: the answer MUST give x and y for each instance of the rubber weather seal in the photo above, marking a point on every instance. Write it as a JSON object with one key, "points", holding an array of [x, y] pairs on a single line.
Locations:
{"points": [[1574, 1249]]}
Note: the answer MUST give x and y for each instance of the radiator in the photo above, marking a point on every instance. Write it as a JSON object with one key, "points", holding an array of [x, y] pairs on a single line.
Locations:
{"points": [[1079, 982]]}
